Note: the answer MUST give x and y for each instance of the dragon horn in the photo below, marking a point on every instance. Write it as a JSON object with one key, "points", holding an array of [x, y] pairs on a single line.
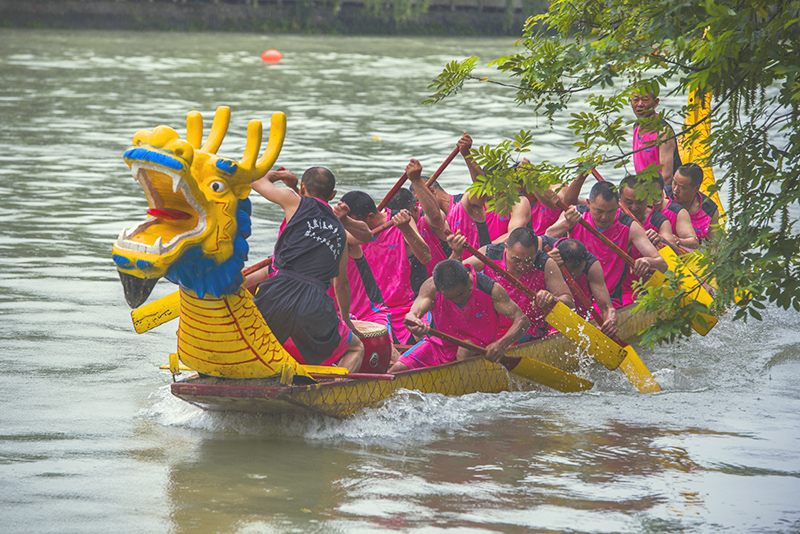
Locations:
{"points": [[194, 129], [219, 128], [277, 133], [254, 133]]}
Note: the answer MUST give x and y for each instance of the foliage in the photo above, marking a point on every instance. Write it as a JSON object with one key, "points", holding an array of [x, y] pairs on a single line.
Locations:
{"points": [[743, 52]]}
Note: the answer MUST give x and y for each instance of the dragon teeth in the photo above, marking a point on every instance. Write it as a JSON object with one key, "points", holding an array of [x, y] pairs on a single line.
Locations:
{"points": [[157, 247]]}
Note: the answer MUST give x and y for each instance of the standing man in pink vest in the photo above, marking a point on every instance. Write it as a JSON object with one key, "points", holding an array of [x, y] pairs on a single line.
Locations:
{"points": [[654, 143], [604, 214], [466, 305]]}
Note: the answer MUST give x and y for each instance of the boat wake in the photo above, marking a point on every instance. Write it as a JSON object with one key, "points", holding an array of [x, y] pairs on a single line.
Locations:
{"points": [[406, 417]]}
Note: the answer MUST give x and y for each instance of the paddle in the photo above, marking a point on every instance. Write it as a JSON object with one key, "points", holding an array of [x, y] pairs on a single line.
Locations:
{"points": [[632, 366], [533, 370], [684, 276], [570, 324], [403, 179]]}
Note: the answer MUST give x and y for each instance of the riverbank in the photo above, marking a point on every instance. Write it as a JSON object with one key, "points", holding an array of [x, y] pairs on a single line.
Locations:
{"points": [[450, 17]]}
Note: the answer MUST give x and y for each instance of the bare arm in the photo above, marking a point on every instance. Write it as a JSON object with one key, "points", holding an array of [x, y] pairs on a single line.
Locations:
{"points": [[405, 223], [520, 217], [666, 151], [421, 306], [434, 216], [358, 232], [597, 285], [667, 237], [285, 198], [651, 258], [565, 223], [555, 284], [685, 235], [503, 305], [571, 192]]}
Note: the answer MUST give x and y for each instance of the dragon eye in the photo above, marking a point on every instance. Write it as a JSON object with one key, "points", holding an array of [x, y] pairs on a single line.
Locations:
{"points": [[217, 186]]}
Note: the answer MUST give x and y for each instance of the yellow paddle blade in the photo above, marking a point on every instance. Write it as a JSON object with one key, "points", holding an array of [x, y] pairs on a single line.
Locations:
{"points": [[325, 370], [638, 373], [587, 336], [550, 376], [157, 312], [703, 322]]}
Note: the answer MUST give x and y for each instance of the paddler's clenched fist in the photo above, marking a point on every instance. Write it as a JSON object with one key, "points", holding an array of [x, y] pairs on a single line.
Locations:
{"points": [[464, 144], [403, 218], [341, 210], [414, 170]]}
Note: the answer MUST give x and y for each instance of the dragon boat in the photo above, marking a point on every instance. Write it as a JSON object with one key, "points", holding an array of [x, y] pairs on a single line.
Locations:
{"points": [[195, 236], [344, 397]]}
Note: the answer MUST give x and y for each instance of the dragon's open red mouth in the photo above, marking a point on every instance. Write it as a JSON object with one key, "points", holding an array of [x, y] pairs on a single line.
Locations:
{"points": [[169, 214]]}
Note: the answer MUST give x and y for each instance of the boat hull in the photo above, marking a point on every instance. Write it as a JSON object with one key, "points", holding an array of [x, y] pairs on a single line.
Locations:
{"points": [[343, 398]]}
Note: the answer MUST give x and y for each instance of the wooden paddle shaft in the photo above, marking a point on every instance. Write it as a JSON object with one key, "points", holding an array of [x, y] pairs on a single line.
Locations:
{"points": [[595, 232], [502, 272], [403, 179], [442, 167], [457, 341], [392, 192]]}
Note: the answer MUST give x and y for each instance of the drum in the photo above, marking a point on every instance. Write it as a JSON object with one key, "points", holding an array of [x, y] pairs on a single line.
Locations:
{"points": [[377, 346]]}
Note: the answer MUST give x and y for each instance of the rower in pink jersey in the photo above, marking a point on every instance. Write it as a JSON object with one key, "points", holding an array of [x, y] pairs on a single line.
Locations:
{"points": [[524, 259], [653, 139], [464, 304], [587, 272], [603, 213], [685, 190], [388, 256], [656, 225], [635, 194]]}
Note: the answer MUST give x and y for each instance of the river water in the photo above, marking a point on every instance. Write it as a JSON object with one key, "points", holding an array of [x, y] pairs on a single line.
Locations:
{"points": [[92, 441]]}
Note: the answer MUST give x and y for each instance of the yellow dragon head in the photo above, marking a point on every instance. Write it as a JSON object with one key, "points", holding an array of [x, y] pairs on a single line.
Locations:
{"points": [[199, 214]]}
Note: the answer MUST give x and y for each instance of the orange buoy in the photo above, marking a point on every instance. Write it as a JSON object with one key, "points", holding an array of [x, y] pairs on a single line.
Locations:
{"points": [[271, 56]]}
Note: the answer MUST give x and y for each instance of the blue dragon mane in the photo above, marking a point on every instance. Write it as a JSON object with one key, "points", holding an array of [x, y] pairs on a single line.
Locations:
{"points": [[195, 272]]}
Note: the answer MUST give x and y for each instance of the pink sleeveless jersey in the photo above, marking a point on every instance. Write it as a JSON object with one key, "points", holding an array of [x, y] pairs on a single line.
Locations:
{"points": [[459, 220], [477, 322], [497, 224], [533, 279], [388, 259], [701, 221], [543, 217], [437, 252], [670, 210], [645, 157], [614, 268]]}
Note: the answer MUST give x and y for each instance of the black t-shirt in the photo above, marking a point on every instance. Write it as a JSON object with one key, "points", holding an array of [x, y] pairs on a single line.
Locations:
{"points": [[312, 242]]}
